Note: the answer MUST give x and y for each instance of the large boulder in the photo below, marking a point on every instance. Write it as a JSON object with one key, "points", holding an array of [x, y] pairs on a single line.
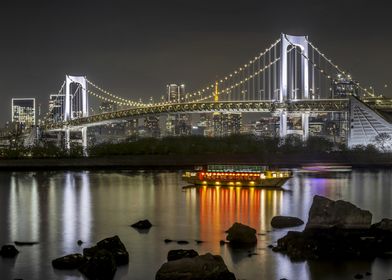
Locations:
{"points": [[73, 261], [116, 247], [8, 251], [384, 224], [335, 243], [338, 229], [207, 267], [241, 234], [326, 213], [102, 266], [179, 254], [285, 221], [112, 245]]}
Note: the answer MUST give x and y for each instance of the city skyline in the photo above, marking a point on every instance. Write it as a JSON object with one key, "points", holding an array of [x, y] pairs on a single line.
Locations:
{"points": [[122, 51]]}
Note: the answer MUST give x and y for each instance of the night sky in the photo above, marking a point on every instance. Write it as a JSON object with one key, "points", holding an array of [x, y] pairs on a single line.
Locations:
{"points": [[135, 48]]}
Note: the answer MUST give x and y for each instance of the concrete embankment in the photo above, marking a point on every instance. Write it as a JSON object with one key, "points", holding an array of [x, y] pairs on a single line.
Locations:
{"points": [[180, 161]]}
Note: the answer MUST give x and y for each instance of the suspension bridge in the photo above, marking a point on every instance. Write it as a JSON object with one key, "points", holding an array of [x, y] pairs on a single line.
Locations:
{"points": [[291, 77]]}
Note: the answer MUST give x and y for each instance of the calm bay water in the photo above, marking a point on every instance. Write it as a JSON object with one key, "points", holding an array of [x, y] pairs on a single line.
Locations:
{"points": [[58, 208]]}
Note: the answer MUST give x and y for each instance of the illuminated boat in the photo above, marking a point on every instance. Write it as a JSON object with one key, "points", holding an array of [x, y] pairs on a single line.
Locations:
{"points": [[236, 175]]}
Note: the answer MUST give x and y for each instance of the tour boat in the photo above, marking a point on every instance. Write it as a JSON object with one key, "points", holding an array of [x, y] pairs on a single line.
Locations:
{"points": [[236, 175]]}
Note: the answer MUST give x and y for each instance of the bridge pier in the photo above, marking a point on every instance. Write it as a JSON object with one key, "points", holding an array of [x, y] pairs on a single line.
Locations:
{"points": [[67, 139], [283, 124], [305, 126], [84, 141]]}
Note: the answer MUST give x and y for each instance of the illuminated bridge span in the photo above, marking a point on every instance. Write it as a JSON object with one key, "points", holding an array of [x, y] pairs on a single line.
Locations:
{"points": [[291, 76], [267, 106]]}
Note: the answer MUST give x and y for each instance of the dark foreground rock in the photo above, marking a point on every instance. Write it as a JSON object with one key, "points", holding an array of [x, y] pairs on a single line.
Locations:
{"points": [[73, 261], [285, 221], [142, 224], [346, 234], [334, 243], [99, 262], [102, 266], [8, 251], [384, 224], [114, 246], [240, 234], [207, 267], [179, 254], [326, 213]]}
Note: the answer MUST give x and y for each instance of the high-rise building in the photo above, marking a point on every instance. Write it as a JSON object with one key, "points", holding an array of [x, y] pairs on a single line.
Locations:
{"points": [[343, 86], [151, 125], [175, 92], [226, 123], [23, 111], [178, 125], [56, 107]]}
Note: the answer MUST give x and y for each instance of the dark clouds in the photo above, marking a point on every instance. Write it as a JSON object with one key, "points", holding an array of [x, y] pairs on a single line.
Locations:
{"points": [[134, 48]]}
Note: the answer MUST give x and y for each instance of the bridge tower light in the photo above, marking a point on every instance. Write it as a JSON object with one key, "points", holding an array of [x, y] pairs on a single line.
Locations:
{"points": [[302, 43], [82, 81]]}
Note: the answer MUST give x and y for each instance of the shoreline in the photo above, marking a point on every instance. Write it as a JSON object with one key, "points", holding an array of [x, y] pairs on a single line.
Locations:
{"points": [[175, 162]]}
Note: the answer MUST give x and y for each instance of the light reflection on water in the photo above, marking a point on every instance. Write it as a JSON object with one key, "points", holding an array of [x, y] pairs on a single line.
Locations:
{"points": [[58, 208]]}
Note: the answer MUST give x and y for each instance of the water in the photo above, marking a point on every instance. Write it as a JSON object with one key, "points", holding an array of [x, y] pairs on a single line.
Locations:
{"points": [[59, 208]]}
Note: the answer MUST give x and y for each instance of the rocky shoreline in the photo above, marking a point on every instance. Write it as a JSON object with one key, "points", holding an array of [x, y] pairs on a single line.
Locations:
{"points": [[338, 230]]}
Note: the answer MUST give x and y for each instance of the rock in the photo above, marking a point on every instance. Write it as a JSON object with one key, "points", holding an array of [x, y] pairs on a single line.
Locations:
{"points": [[90, 252], [114, 246], [285, 221], [25, 243], [337, 230], [335, 243], [179, 254], [8, 251], [384, 224], [142, 224], [241, 234], [207, 267], [326, 213], [73, 261], [182, 242], [102, 266]]}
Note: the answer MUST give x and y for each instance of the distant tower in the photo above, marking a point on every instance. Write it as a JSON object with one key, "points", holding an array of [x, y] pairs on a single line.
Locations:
{"points": [[175, 92], [56, 107], [343, 86]]}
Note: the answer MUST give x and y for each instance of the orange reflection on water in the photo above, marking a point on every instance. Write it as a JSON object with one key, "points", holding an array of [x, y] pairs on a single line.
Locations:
{"points": [[221, 207]]}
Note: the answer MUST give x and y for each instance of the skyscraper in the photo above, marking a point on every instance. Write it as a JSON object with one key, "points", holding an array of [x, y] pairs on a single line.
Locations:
{"points": [[56, 107], [226, 124], [23, 111], [343, 86], [175, 92]]}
